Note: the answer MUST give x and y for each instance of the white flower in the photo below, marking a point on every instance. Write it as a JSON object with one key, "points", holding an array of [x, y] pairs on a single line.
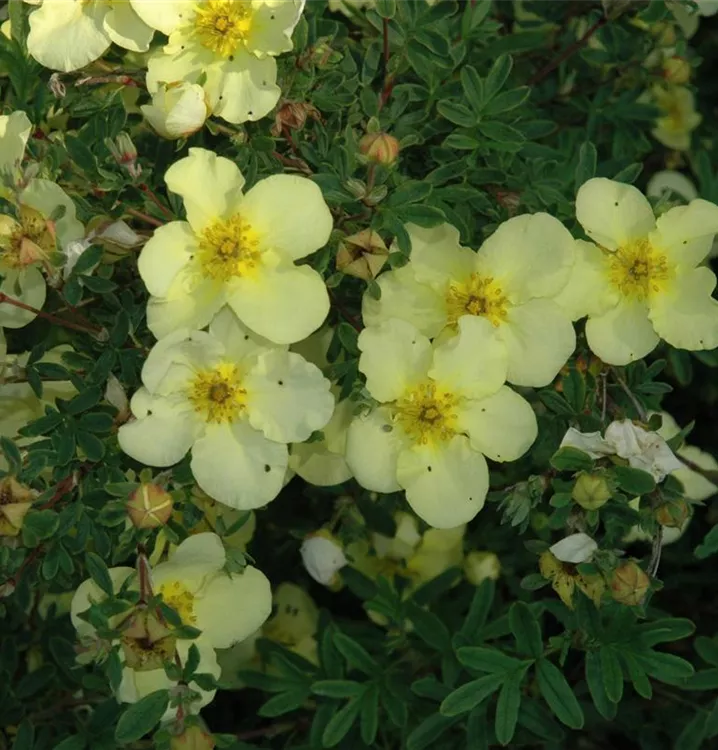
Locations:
{"points": [[668, 181], [231, 44], [643, 449], [323, 558], [234, 401], [510, 282], [237, 250], [576, 548], [440, 412], [68, 34], [177, 109]]}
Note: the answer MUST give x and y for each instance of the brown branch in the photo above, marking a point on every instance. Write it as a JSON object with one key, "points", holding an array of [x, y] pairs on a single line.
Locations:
{"points": [[642, 413], [388, 79], [85, 328], [151, 195], [145, 217], [570, 50]]}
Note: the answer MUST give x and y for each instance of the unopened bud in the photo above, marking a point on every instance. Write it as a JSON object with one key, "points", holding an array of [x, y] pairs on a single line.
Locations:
{"points": [[146, 641], [591, 491], [124, 153], [149, 506], [192, 738], [673, 514], [178, 109], [362, 255], [381, 148], [15, 501], [629, 584], [677, 70], [480, 566], [323, 557]]}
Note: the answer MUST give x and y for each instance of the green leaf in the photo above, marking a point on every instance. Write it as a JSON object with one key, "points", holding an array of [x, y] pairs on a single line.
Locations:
{"points": [[596, 686], [96, 422], [12, 454], [369, 720], [430, 629], [337, 688], [356, 655], [395, 708], [571, 459], [461, 142], [707, 649], [489, 660], [497, 76], [411, 191], [456, 113], [429, 731], [665, 630], [341, 723], [633, 481], [501, 133], [98, 572], [84, 401], [141, 717], [479, 609], [284, 702], [473, 87], [664, 667], [469, 696], [38, 525], [25, 737], [92, 447], [526, 630], [474, 14], [386, 8], [693, 734], [558, 694], [507, 709], [612, 673], [507, 100], [586, 168], [704, 679], [72, 743]]}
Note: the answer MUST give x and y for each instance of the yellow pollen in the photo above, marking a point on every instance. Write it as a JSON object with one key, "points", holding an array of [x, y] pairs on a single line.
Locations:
{"points": [[477, 296], [426, 414], [228, 249], [218, 395], [637, 270], [176, 595], [223, 25]]}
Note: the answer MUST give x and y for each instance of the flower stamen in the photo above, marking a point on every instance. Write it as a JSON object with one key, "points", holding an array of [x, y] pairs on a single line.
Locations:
{"points": [[480, 295], [426, 414], [218, 394], [223, 25], [637, 270]]}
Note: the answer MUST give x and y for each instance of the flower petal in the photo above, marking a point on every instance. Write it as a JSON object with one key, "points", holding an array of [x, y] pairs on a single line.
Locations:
{"points": [[591, 443], [613, 213], [588, 291], [539, 339], [15, 129], [288, 398], [685, 233], [502, 426], [445, 483], [272, 26], [667, 182], [164, 255], [126, 28], [373, 445], [437, 256], [686, 315], [204, 550], [159, 439], [394, 357], [164, 16], [88, 593], [46, 197], [232, 608], [529, 256], [283, 304], [289, 214], [67, 34], [210, 186], [239, 342], [575, 548], [623, 334], [243, 90], [28, 286], [236, 465], [473, 363], [403, 297]]}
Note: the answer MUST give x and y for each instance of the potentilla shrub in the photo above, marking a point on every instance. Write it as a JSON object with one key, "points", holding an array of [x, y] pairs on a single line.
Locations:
{"points": [[357, 374]]}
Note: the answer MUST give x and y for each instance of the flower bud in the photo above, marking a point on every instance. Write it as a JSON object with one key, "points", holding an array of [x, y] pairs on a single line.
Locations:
{"points": [[149, 506], [478, 566], [381, 148], [673, 514], [192, 738], [322, 557], [124, 153], [362, 255], [629, 584], [591, 491], [146, 641], [677, 70], [293, 116], [177, 110], [15, 501]]}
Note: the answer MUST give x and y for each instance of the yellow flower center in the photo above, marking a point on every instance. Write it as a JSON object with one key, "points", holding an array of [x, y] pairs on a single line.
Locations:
{"points": [[426, 414], [26, 241], [176, 595], [228, 249], [637, 270], [223, 25], [218, 395], [480, 295]]}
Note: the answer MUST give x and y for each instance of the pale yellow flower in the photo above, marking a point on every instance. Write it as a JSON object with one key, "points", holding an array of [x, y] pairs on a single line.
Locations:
{"points": [[679, 117], [177, 109]]}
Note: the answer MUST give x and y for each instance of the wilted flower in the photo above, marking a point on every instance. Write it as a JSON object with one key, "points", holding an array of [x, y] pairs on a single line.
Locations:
{"points": [[323, 557], [629, 584], [576, 548], [15, 501], [362, 255]]}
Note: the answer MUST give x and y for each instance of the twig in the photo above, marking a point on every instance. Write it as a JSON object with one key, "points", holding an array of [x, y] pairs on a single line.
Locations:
{"points": [[570, 50], [62, 488], [85, 328], [656, 552], [642, 413], [145, 217], [604, 405], [151, 195], [388, 80]]}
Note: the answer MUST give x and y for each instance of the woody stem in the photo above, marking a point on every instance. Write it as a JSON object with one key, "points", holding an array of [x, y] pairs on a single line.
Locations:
{"points": [[4, 298]]}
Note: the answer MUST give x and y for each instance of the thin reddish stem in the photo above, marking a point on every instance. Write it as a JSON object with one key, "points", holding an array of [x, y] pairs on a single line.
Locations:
{"points": [[145, 217], [4, 298]]}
